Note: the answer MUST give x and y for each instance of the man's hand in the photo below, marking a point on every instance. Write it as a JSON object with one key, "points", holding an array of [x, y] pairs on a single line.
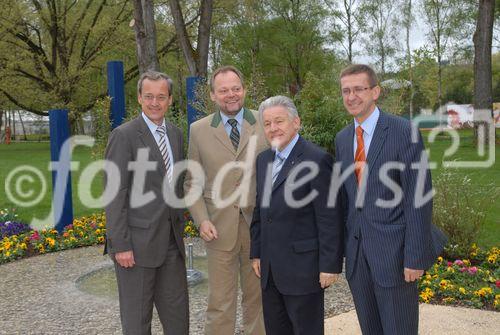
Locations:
{"points": [[411, 274], [208, 231], [327, 279], [125, 258], [256, 266]]}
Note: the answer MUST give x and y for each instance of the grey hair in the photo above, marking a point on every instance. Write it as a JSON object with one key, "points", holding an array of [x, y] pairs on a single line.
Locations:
{"points": [[279, 100], [154, 76]]}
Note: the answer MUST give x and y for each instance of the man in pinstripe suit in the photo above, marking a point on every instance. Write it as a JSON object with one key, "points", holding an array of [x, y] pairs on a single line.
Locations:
{"points": [[388, 229]]}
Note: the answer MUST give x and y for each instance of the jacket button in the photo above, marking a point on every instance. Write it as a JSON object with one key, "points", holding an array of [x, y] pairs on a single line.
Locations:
{"points": [[356, 237], [269, 221]]}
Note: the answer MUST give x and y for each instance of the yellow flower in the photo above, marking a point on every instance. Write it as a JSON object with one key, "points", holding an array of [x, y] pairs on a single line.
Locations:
{"points": [[97, 231], [450, 269], [7, 254], [72, 239], [100, 239], [466, 262], [462, 290], [23, 246], [428, 277], [440, 260], [492, 259], [7, 245], [50, 241]]}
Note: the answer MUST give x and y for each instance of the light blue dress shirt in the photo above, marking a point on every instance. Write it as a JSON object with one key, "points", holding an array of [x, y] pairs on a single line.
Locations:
{"points": [[288, 149], [238, 117], [152, 128], [368, 126]]}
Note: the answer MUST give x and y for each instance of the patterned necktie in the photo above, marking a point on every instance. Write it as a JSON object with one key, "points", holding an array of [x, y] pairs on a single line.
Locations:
{"points": [[235, 134], [162, 145], [360, 156], [277, 165]]}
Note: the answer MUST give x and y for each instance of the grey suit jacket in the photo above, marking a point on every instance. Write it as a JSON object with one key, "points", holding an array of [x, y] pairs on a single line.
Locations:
{"points": [[144, 229]]}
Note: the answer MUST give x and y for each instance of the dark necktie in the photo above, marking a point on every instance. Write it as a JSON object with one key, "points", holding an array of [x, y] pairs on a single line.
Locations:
{"points": [[235, 134]]}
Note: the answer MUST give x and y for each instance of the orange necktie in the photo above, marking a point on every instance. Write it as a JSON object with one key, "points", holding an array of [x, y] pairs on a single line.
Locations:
{"points": [[360, 157]]}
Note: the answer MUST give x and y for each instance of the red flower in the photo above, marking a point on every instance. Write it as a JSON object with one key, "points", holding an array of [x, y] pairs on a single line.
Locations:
{"points": [[35, 236], [497, 283], [450, 263]]}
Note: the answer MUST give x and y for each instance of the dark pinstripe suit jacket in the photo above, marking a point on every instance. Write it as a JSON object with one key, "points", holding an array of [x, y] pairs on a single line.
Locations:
{"points": [[395, 237]]}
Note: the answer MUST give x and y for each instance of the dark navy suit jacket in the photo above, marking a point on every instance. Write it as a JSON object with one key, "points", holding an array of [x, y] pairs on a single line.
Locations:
{"points": [[401, 235], [296, 243]]}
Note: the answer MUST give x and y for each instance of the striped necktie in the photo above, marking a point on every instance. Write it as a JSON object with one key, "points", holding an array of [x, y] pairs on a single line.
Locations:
{"points": [[162, 145], [235, 134], [277, 165], [360, 156]]}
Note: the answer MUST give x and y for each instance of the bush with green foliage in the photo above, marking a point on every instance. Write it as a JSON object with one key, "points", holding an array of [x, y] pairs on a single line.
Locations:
{"points": [[460, 210]]}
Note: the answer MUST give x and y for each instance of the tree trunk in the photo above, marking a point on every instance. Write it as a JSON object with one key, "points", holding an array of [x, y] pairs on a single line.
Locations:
{"points": [[483, 36], [408, 56], [22, 125], [145, 35], [196, 60]]}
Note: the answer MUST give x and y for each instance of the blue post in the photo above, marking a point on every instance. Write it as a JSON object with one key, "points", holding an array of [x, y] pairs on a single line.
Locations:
{"points": [[62, 202], [116, 90], [192, 113]]}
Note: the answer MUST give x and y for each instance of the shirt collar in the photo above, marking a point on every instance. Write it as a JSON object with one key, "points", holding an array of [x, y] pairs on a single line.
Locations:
{"points": [[151, 125], [238, 117], [369, 124], [288, 149]]}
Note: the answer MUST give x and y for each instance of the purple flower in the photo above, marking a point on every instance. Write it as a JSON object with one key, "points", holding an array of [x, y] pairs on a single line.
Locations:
{"points": [[10, 228], [459, 262]]}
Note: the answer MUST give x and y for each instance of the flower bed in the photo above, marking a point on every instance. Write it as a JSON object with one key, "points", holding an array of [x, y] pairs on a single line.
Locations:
{"points": [[472, 282], [20, 241]]}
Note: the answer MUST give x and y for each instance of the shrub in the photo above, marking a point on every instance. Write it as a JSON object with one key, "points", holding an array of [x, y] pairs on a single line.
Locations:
{"points": [[460, 210]]}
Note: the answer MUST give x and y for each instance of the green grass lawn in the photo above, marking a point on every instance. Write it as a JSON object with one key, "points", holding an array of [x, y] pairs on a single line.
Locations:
{"points": [[490, 234], [38, 155]]}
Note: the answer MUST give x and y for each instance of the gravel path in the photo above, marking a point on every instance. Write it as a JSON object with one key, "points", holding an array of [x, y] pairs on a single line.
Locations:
{"points": [[43, 295]]}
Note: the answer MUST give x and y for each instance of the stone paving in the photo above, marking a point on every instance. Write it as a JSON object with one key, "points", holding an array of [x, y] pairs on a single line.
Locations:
{"points": [[42, 295]]}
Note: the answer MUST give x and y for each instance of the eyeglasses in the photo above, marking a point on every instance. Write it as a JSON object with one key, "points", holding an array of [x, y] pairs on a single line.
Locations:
{"points": [[356, 90], [150, 97]]}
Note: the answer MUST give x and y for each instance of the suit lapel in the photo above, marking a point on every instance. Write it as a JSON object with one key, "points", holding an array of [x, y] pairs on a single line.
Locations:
{"points": [[353, 183], [292, 160], [220, 132], [378, 139], [174, 144], [247, 130]]}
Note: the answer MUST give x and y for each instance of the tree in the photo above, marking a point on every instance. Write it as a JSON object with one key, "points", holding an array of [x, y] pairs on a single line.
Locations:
{"points": [[482, 58], [380, 31], [196, 59], [145, 35], [407, 23], [54, 51], [444, 19], [351, 20]]}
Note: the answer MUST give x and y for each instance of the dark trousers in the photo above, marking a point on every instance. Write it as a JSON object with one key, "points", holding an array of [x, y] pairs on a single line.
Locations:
{"points": [[292, 314], [383, 310], [165, 287]]}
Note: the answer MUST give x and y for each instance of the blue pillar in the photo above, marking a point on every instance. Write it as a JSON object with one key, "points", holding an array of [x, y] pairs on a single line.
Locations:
{"points": [[192, 113], [116, 90], [62, 202]]}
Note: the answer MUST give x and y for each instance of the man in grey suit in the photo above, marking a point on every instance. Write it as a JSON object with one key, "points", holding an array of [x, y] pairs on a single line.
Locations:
{"points": [[389, 235], [144, 234]]}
